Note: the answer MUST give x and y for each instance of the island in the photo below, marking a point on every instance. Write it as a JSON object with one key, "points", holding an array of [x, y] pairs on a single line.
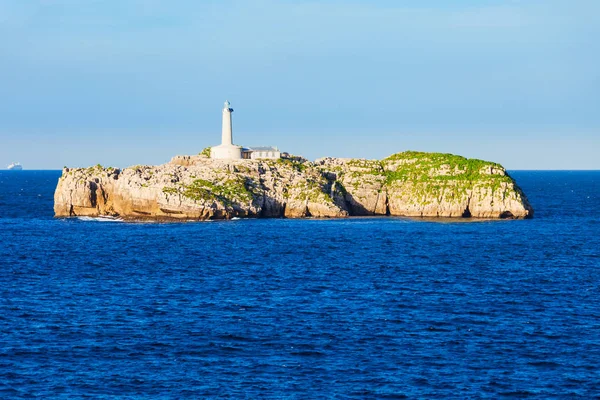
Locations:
{"points": [[408, 184], [231, 181]]}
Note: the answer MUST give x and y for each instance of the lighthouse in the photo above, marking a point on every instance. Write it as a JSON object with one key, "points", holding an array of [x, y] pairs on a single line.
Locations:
{"points": [[226, 130], [226, 150]]}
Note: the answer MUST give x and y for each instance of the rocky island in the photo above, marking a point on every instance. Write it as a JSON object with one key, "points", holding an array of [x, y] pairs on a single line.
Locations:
{"points": [[411, 184]]}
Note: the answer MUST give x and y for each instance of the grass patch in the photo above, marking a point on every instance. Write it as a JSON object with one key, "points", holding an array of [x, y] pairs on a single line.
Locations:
{"points": [[237, 190], [428, 167], [294, 164]]}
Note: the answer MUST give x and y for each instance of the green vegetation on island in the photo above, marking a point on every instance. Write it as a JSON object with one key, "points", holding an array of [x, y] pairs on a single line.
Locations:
{"points": [[227, 192], [419, 166]]}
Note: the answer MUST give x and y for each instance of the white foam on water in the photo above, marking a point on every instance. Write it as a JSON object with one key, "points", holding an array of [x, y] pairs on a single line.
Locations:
{"points": [[100, 219]]}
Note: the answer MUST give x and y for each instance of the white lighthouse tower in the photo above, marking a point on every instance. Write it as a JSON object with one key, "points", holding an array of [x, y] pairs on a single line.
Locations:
{"points": [[226, 150]]}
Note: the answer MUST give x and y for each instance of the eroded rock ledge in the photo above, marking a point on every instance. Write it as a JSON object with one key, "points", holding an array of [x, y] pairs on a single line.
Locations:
{"points": [[409, 184]]}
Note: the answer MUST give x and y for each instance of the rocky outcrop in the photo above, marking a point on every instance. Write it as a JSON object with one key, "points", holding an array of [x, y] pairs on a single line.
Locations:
{"points": [[416, 184], [198, 188]]}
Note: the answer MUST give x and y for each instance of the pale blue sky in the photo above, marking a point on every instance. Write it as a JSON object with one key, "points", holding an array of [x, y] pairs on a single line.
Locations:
{"points": [[124, 82]]}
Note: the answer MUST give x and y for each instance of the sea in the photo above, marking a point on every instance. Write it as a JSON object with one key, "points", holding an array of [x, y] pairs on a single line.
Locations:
{"points": [[356, 308]]}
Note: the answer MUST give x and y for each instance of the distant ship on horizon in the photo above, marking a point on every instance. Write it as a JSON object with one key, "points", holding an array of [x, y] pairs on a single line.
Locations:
{"points": [[15, 167]]}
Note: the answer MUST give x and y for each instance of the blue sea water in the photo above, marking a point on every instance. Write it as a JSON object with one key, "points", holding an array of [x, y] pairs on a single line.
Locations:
{"points": [[354, 308]]}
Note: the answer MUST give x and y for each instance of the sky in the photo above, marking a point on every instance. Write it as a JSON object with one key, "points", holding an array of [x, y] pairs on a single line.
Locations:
{"points": [[120, 83]]}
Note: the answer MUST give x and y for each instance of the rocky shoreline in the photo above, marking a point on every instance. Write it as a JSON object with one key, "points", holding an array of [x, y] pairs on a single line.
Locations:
{"points": [[410, 184]]}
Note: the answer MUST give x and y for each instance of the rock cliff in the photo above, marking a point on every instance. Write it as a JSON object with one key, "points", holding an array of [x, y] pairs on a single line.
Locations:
{"points": [[198, 188]]}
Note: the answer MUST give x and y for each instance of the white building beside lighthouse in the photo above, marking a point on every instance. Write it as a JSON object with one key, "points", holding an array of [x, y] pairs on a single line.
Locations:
{"points": [[226, 150]]}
